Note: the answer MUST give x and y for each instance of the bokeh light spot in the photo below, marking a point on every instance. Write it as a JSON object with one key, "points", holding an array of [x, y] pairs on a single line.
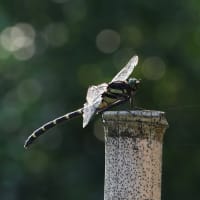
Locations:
{"points": [[24, 53], [56, 34], [108, 41], [153, 68], [6, 40], [19, 40]]}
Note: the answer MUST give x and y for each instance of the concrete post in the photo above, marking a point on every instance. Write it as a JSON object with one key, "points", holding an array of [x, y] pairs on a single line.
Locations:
{"points": [[133, 154]]}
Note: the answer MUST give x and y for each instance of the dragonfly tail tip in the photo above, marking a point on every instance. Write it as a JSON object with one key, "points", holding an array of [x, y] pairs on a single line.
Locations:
{"points": [[26, 144]]}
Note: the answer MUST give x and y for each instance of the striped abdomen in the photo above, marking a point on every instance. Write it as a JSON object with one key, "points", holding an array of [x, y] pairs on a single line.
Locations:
{"points": [[51, 124]]}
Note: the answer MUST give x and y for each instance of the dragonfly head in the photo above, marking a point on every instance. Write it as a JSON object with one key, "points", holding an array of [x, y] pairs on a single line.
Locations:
{"points": [[133, 82]]}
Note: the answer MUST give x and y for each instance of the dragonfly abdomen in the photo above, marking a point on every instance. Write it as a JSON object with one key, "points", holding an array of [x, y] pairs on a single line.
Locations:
{"points": [[50, 125]]}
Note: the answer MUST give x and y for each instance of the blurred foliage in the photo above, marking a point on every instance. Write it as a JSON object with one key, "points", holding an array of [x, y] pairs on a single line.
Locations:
{"points": [[52, 50]]}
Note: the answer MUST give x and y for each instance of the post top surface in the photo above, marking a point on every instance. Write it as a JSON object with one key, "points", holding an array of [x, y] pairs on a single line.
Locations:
{"points": [[151, 116]]}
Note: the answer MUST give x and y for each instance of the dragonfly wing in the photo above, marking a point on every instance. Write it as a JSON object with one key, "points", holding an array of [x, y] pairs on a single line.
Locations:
{"points": [[95, 91], [127, 70], [88, 112], [93, 100]]}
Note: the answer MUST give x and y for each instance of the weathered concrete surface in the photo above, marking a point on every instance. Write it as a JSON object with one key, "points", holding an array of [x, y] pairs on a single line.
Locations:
{"points": [[133, 154]]}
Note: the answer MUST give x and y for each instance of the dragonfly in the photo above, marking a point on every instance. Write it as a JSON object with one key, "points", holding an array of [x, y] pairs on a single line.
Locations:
{"points": [[99, 98]]}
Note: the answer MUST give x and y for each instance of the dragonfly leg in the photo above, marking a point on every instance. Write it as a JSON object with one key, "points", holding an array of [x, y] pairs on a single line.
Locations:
{"points": [[115, 96], [132, 95], [138, 108], [112, 105]]}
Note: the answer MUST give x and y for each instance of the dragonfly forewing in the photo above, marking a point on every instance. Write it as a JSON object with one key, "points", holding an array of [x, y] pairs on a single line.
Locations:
{"points": [[127, 70]]}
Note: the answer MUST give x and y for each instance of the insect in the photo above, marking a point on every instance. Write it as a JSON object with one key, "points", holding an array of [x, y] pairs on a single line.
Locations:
{"points": [[99, 98]]}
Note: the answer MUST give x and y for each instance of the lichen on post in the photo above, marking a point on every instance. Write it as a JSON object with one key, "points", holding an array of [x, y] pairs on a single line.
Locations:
{"points": [[133, 154]]}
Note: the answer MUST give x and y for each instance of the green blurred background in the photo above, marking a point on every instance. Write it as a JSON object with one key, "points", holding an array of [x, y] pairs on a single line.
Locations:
{"points": [[52, 50]]}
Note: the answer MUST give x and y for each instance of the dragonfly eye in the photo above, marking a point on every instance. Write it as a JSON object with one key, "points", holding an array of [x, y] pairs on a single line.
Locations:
{"points": [[133, 82]]}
